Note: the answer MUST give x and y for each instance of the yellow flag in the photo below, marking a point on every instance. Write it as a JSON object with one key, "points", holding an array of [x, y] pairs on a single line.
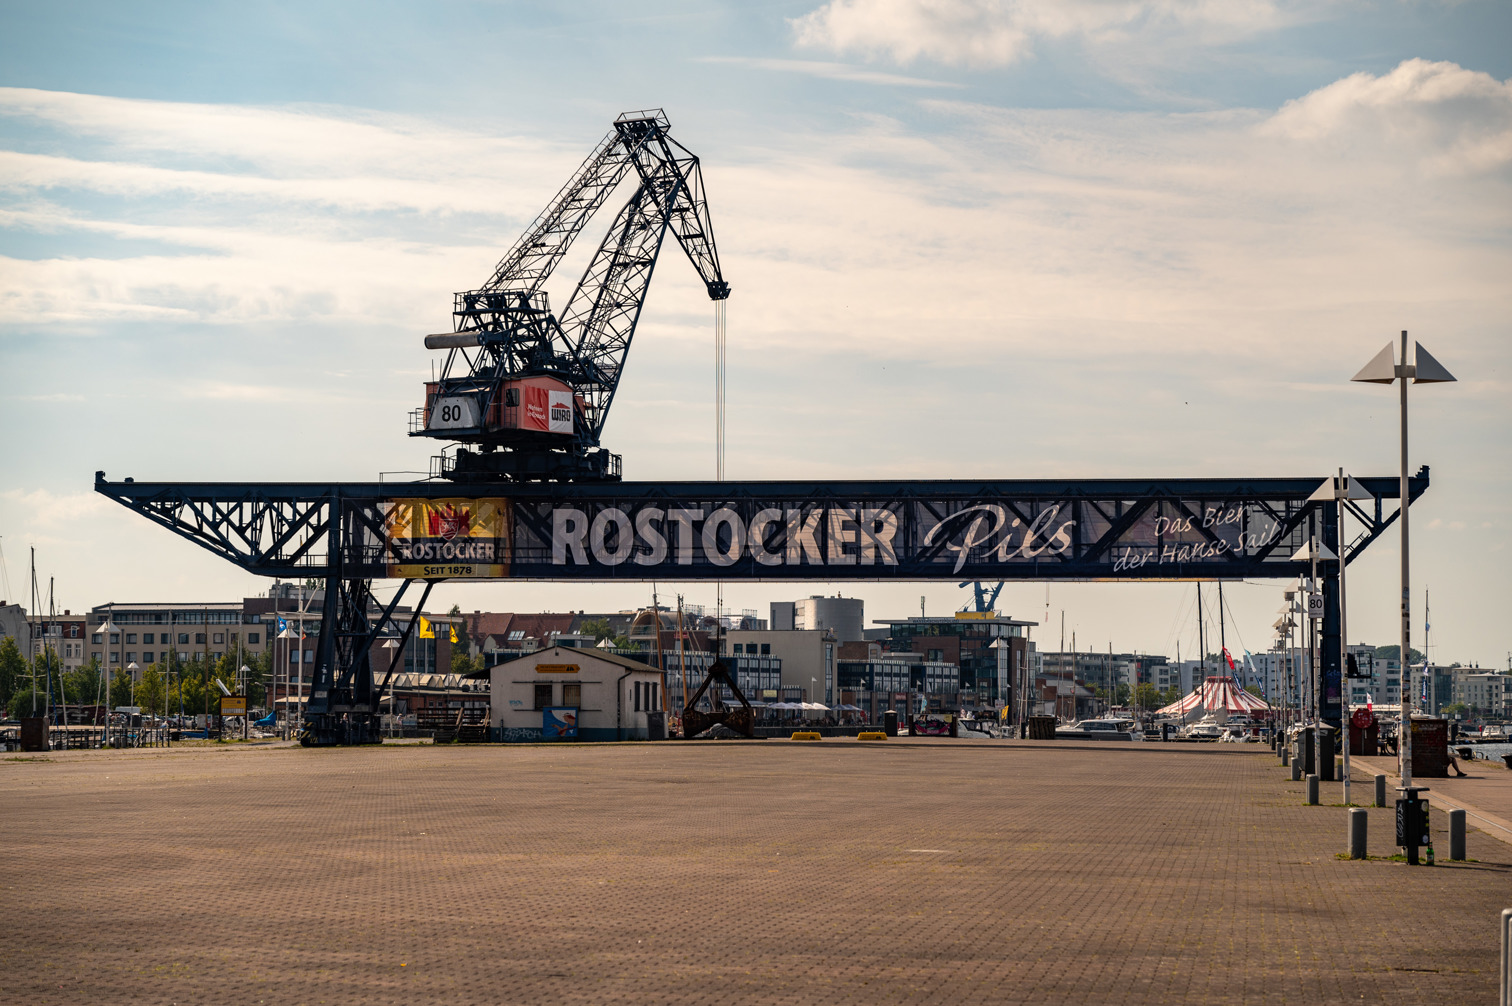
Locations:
{"points": [[454, 633], [426, 632]]}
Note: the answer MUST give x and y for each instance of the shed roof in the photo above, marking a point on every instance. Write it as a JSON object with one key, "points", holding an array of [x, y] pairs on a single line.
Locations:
{"points": [[579, 653]]}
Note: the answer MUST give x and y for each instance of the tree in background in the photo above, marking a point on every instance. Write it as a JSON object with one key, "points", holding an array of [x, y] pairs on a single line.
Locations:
{"points": [[463, 663], [1255, 689], [82, 685], [13, 672], [598, 628], [1390, 653], [1147, 696], [120, 688], [152, 692], [26, 702], [48, 671]]}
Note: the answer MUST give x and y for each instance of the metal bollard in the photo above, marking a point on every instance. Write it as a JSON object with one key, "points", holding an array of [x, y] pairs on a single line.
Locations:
{"points": [[1506, 961], [1296, 768], [1285, 755], [1359, 821], [1312, 790], [1380, 781], [1457, 834]]}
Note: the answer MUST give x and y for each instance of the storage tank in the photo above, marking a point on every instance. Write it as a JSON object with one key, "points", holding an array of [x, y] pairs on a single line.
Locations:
{"points": [[841, 615]]}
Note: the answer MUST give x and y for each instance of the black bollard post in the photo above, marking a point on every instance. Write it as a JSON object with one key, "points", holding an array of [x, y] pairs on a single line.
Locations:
{"points": [[1457, 834], [1312, 790], [1380, 790]]}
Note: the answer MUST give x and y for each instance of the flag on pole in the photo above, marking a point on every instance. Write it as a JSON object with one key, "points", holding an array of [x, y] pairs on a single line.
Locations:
{"points": [[426, 629], [454, 633], [1229, 658]]}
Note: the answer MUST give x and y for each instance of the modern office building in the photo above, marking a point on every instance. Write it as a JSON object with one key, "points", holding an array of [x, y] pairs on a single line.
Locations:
{"points": [[969, 640]]}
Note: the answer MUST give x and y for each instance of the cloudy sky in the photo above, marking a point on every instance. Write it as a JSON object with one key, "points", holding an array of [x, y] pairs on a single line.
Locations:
{"points": [[967, 238]]}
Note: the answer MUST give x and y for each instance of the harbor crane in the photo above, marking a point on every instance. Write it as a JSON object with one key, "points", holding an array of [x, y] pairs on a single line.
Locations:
{"points": [[525, 394]]}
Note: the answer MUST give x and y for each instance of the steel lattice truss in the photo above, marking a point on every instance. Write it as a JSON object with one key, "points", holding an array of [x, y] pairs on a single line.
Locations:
{"points": [[1100, 529], [352, 533]]}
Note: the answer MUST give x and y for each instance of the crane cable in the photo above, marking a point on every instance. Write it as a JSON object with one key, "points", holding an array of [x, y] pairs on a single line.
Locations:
{"points": [[719, 426]]}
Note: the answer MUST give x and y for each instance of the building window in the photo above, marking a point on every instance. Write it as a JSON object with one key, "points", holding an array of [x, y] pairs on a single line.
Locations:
{"points": [[253, 638], [97, 652], [115, 639], [766, 649], [199, 639], [736, 648], [637, 696], [183, 638], [147, 637], [95, 639], [131, 656], [220, 638], [543, 695], [572, 693], [115, 656], [131, 637]]}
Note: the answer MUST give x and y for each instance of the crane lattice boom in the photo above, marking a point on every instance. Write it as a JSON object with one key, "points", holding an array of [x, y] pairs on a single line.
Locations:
{"points": [[527, 394]]}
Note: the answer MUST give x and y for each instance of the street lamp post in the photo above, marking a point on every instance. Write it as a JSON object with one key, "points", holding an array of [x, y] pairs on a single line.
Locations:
{"points": [[1382, 369], [1340, 489], [287, 634], [1311, 553], [105, 633]]}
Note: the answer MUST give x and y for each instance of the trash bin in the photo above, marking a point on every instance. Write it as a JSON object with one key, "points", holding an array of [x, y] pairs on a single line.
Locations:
{"points": [[33, 733], [1042, 728], [1412, 822], [1430, 747], [656, 725], [890, 722]]}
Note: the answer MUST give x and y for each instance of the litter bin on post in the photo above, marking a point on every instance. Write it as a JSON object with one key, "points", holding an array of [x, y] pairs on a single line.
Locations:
{"points": [[1411, 821], [890, 722]]}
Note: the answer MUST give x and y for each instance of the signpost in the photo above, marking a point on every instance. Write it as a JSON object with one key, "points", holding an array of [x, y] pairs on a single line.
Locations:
{"points": [[234, 705]]}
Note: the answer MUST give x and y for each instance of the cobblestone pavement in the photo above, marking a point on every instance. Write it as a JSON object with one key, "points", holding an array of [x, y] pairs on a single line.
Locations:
{"points": [[1485, 792], [766, 872]]}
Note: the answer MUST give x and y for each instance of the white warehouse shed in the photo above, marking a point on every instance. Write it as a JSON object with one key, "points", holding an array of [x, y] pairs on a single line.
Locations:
{"points": [[567, 693]]}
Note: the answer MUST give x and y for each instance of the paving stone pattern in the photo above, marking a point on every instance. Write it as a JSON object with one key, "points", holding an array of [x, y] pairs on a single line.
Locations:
{"points": [[765, 872]]}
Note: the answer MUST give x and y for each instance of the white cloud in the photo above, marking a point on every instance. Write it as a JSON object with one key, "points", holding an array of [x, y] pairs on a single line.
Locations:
{"points": [[1453, 120], [1000, 32], [828, 71]]}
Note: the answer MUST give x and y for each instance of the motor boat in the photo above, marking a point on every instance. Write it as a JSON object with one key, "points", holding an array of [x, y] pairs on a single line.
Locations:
{"points": [[1100, 730], [1203, 730]]}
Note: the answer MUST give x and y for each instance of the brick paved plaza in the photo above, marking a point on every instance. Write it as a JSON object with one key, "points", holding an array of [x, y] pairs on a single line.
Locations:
{"points": [[950, 872]]}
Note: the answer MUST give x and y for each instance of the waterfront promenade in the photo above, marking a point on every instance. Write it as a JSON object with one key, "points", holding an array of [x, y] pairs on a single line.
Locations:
{"points": [[926, 871]]}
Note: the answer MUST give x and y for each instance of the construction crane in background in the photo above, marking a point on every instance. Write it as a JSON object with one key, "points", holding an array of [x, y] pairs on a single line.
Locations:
{"points": [[983, 596], [525, 395]]}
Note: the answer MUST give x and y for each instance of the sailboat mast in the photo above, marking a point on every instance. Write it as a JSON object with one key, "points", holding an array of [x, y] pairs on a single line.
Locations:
{"points": [[1222, 632]]}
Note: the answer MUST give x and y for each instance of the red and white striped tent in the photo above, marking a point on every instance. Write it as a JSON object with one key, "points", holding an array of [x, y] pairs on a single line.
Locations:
{"points": [[1219, 698]]}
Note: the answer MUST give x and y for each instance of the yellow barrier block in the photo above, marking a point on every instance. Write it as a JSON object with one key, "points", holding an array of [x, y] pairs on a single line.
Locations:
{"points": [[805, 735], [871, 735]]}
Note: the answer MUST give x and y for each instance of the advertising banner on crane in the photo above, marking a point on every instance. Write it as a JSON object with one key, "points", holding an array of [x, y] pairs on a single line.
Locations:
{"points": [[784, 538], [447, 538], [546, 409]]}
